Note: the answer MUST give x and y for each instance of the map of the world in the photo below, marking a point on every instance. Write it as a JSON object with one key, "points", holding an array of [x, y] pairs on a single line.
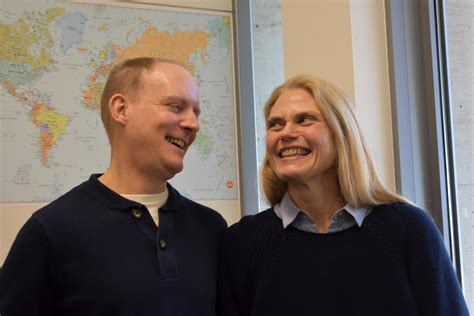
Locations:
{"points": [[54, 60]]}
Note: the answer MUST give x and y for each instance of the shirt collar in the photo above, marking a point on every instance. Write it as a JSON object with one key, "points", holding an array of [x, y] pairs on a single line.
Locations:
{"points": [[287, 211], [358, 213]]}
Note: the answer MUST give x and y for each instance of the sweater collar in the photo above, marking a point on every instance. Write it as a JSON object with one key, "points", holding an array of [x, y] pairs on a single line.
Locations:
{"points": [[102, 194]]}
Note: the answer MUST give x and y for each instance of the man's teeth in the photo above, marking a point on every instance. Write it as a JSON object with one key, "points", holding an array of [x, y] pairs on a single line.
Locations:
{"points": [[175, 141], [294, 152]]}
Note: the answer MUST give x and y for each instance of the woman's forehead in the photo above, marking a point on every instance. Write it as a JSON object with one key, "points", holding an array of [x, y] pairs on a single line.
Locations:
{"points": [[294, 100]]}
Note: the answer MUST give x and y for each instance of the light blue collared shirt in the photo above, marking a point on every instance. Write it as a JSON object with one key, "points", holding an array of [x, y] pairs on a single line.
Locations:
{"points": [[344, 218]]}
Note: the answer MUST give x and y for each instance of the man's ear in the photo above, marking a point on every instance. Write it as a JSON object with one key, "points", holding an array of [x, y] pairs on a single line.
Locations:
{"points": [[118, 106]]}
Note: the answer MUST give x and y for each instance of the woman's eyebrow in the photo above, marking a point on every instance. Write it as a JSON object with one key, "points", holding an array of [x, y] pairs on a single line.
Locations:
{"points": [[308, 113], [274, 119]]}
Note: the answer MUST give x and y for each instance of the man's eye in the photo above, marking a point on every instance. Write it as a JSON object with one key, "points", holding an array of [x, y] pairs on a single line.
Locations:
{"points": [[176, 107]]}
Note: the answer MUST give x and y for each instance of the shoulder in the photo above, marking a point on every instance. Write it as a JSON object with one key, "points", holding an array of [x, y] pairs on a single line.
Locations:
{"points": [[197, 211], [263, 221], [405, 226], [254, 229], [422, 230], [251, 239], [72, 201], [404, 216], [206, 212]]}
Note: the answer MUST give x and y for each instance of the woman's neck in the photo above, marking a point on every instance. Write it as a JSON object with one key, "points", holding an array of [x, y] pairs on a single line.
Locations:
{"points": [[320, 200]]}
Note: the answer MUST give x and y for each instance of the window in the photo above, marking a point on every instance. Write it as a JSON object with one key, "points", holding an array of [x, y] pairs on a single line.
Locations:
{"points": [[459, 22], [431, 73]]}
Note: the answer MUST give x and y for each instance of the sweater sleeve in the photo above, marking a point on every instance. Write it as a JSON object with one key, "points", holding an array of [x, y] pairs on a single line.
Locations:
{"points": [[24, 283], [432, 277]]}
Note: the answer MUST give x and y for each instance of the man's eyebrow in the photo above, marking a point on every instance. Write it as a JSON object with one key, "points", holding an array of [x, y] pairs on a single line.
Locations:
{"points": [[170, 98]]}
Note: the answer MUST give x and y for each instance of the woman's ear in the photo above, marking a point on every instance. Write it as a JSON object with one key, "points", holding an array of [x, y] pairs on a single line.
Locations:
{"points": [[118, 107]]}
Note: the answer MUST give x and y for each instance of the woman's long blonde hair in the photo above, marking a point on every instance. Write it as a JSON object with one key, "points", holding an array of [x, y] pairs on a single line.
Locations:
{"points": [[358, 180]]}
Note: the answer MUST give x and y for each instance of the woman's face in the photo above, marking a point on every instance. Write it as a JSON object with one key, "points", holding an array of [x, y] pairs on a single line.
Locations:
{"points": [[300, 145]]}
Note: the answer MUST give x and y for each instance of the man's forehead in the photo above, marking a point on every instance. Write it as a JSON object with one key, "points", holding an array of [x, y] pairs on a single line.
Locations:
{"points": [[168, 73], [173, 91], [171, 68]]}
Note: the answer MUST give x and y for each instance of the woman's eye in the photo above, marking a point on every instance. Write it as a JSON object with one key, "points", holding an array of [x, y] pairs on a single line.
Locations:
{"points": [[274, 125], [305, 119]]}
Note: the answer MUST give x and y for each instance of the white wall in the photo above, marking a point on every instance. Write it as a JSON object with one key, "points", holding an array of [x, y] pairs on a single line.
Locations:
{"points": [[371, 82], [317, 40]]}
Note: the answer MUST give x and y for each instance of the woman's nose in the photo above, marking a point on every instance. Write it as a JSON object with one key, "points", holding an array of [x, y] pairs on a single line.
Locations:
{"points": [[289, 132]]}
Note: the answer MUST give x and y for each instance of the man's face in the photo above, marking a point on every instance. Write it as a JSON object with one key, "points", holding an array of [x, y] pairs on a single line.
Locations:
{"points": [[162, 121]]}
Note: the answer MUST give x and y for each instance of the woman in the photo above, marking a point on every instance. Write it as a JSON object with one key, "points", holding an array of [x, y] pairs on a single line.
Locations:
{"points": [[335, 241]]}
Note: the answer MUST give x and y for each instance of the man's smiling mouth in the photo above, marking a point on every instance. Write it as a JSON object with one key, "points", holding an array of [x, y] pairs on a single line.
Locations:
{"points": [[175, 141]]}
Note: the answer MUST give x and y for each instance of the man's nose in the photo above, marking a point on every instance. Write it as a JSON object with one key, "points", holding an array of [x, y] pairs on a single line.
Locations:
{"points": [[190, 121]]}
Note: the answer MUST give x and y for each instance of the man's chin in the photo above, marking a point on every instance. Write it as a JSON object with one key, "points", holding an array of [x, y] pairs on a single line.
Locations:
{"points": [[173, 170]]}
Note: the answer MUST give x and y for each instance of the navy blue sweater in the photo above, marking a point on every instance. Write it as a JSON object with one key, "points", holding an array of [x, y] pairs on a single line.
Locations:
{"points": [[93, 252], [394, 264]]}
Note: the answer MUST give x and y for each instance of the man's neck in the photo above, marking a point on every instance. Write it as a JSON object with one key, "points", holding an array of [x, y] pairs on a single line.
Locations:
{"points": [[130, 183]]}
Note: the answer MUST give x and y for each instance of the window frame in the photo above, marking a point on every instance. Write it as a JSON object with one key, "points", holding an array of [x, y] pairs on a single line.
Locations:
{"points": [[421, 113]]}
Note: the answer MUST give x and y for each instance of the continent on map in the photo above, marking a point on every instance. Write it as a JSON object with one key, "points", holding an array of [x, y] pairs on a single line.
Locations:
{"points": [[72, 29], [26, 46], [51, 125], [96, 81], [11, 89], [104, 27], [204, 142], [177, 46], [220, 27]]}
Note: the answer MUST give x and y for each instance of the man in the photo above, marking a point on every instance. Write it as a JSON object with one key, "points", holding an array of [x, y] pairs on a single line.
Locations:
{"points": [[125, 242]]}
